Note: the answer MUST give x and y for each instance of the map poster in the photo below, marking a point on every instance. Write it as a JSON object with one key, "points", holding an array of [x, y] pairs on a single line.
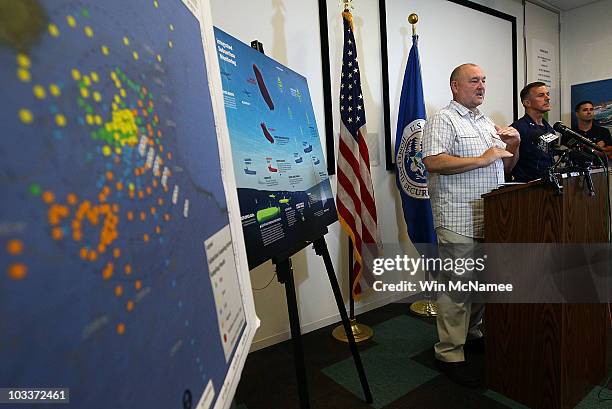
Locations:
{"points": [[119, 279], [283, 187]]}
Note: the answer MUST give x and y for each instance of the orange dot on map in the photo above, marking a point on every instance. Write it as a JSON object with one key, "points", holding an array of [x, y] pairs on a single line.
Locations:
{"points": [[118, 291], [117, 252], [57, 233], [128, 269], [71, 199], [138, 284], [17, 271], [14, 247], [130, 305], [48, 197], [121, 329]]}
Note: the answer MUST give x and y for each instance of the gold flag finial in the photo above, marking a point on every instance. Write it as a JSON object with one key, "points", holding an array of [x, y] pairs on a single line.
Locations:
{"points": [[347, 5], [346, 13], [413, 19]]}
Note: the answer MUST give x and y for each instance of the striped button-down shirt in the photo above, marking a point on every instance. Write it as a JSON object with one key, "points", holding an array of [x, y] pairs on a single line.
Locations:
{"points": [[456, 199]]}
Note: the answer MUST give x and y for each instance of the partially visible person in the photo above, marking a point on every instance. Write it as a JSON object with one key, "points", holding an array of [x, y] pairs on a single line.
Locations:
{"points": [[535, 155], [599, 135], [466, 155]]}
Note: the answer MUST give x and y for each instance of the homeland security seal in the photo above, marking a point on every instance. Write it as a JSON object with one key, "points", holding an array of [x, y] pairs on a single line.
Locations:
{"points": [[411, 170]]}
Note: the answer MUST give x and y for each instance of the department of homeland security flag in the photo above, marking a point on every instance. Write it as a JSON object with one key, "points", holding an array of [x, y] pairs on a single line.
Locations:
{"points": [[411, 173], [355, 196]]}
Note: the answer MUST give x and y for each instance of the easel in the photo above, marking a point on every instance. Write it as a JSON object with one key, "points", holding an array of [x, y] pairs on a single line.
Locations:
{"points": [[284, 273]]}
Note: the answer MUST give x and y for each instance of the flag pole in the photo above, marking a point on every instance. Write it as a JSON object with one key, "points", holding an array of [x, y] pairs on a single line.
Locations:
{"points": [[426, 307], [361, 332]]}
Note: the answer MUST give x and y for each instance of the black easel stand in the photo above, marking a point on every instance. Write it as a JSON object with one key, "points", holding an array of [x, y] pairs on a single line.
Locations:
{"points": [[284, 273]]}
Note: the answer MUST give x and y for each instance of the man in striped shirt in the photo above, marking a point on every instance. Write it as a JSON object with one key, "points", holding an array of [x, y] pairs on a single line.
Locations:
{"points": [[466, 156]]}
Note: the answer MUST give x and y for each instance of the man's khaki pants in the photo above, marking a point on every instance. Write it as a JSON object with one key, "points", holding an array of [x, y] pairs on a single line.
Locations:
{"points": [[458, 319]]}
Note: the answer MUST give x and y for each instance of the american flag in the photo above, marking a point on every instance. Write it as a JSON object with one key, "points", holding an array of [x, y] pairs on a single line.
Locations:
{"points": [[355, 197]]}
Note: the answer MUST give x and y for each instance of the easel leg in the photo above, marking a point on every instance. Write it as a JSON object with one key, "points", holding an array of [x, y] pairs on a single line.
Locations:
{"points": [[320, 247], [285, 276]]}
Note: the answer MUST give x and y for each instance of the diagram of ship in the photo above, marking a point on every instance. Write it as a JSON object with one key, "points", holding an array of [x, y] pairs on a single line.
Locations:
{"points": [[298, 158], [247, 162], [270, 167], [262, 88], [268, 213], [315, 160], [266, 133], [307, 147]]}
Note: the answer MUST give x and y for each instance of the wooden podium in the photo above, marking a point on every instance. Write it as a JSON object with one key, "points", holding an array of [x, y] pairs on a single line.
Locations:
{"points": [[546, 356]]}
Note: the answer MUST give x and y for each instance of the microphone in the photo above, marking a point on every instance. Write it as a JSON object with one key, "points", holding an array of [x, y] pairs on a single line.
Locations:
{"points": [[561, 128], [543, 136]]}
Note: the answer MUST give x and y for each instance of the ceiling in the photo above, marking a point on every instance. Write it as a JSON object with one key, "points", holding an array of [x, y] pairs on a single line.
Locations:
{"points": [[565, 5]]}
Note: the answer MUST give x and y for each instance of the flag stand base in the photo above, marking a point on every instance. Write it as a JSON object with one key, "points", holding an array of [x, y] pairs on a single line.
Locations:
{"points": [[424, 308], [360, 332]]}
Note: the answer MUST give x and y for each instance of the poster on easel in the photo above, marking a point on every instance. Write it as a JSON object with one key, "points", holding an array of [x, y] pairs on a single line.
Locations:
{"points": [[283, 187], [123, 279]]}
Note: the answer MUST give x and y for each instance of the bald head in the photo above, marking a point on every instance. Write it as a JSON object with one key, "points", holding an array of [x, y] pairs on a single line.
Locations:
{"points": [[460, 70]]}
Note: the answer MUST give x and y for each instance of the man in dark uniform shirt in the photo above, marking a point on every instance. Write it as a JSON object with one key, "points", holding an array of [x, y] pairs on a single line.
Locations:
{"points": [[597, 134], [535, 156]]}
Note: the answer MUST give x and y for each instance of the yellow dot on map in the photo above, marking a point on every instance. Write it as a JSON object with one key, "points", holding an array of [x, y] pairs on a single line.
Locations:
{"points": [[71, 21], [126, 41], [60, 120], [170, 44], [155, 3], [54, 90], [122, 92], [159, 58], [131, 186], [88, 31], [23, 60], [76, 75], [89, 119], [135, 55], [106, 150], [97, 97], [86, 80], [23, 75], [25, 115], [39, 92], [98, 120], [118, 150], [117, 99], [84, 92], [171, 27], [104, 50], [94, 77], [53, 30]]}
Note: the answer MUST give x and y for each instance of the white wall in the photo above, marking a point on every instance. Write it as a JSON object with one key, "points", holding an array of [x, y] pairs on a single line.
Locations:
{"points": [[289, 31], [586, 48]]}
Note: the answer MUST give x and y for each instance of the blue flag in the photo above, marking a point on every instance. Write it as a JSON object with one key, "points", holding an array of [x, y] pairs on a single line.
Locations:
{"points": [[411, 173]]}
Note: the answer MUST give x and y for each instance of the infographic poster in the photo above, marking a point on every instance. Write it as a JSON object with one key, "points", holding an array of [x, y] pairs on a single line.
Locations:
{"points": [[118, 276], [283, 187]]}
